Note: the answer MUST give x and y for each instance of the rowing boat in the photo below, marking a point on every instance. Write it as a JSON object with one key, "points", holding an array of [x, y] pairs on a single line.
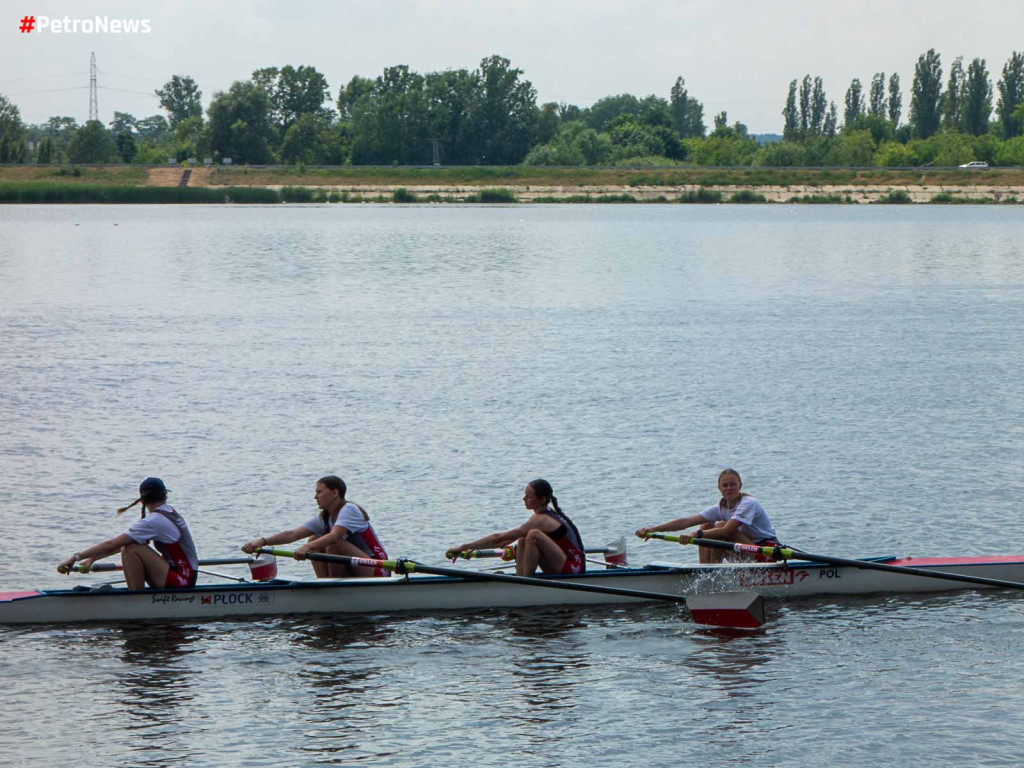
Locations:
{"points": [[430, 593]]}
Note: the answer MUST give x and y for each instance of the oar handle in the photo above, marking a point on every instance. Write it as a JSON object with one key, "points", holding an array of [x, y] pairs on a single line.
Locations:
{"points": [[505, 553], [366, 562], [509, 553], [775, 553], [100, 567], [97, 567]]}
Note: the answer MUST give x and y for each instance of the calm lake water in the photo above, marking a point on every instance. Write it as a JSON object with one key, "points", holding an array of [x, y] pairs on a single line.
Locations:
{"points": [[862, 367]]}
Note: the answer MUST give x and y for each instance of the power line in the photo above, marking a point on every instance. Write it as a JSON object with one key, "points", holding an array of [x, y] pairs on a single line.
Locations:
{"points": [[123, 90], [52, 90], [41, 77]]}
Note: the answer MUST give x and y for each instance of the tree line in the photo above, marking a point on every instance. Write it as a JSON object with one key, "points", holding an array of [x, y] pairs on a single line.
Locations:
{"points": [[489, 116]]}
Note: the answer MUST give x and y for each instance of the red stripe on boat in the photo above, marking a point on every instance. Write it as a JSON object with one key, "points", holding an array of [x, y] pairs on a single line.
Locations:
{"points": [[915, 562], [6, 597]]}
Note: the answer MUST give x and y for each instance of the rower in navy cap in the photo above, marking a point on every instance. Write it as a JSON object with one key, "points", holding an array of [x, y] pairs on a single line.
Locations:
{"points": [[171, 563]]}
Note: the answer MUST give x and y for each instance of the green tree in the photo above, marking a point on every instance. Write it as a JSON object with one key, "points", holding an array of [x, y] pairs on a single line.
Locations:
{"points": [[791, 116], [819, 107], [154, 127], [126, 148], [926, 96], [831, 121], [182, 99], [606, 109], [877, 104], [452, 102], [721, 150], [806, 90], [123, 123], [1011, 93], [240, 123], [855, 149], [953, 97], [548, 122], [61, 127], [878, 126], [350, 93], [13, 146], [300, 91], [292, 92], [687, 112], [46, 151], [854, 101], [1011, 151], [782, 154], [977, 106], [391, 125], [894, 154], [508, 107], [895, 100], [307, 140], [92, 143], [191, 138]]}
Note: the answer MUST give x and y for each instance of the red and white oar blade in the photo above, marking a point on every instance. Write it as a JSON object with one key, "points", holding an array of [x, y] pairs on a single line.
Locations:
{"points": [[738, 610]]}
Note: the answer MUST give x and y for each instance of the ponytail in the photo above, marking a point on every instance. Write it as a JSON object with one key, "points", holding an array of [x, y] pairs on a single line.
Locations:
{"points": [[122, 510]]}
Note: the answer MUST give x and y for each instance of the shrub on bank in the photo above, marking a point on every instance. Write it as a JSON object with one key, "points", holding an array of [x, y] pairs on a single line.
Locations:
{"points": [[499, 195], [747, 196], [896, 197], [700, 196], [35, 192]]}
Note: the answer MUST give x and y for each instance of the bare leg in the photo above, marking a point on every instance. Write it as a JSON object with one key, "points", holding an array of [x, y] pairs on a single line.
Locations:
{"points": [[708, 555], [320, 569], [539, 550], [740, 557], [346, 548], [142, 566]]}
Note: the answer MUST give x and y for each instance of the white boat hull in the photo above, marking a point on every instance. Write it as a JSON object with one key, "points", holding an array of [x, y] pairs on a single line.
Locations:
{"points": [[440, 593]]}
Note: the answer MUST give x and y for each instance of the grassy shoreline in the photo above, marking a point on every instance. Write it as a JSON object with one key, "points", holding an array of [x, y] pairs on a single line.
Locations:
{"points": [[352, 184]]}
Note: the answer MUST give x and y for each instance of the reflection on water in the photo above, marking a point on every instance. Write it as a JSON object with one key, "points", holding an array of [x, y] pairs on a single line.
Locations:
{"points": [[439, 357]]}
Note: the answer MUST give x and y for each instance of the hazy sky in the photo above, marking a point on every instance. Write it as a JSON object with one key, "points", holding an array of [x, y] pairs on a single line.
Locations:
{"points": [[737, 56]]}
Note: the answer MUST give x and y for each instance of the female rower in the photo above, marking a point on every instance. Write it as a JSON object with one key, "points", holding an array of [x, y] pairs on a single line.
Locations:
{"points": [[341, 528], [738, 517], [173, 564], [548, 539]]}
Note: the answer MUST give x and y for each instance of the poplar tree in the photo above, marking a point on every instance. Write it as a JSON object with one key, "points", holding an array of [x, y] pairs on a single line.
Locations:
{"points": [[805, 104], [687, 112], [977, 107], [791, 116], [895, 100], [953, 98], [831, 120], [854, 102], [819, 106], [877, 98], [926, 95], [1011, 95]]}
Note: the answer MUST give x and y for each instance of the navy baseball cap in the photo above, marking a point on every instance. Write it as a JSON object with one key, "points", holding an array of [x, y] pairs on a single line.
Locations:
{"points": [[152, 485]]}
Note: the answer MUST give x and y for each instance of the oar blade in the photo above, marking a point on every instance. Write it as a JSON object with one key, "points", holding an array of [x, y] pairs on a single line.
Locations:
{"points": [[737, 610]]}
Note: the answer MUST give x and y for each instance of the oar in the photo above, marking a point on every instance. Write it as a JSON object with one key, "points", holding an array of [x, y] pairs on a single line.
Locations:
{"points": [[509, 552], [789, 553], [263, 569], [100, 567], [726, 609]]}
